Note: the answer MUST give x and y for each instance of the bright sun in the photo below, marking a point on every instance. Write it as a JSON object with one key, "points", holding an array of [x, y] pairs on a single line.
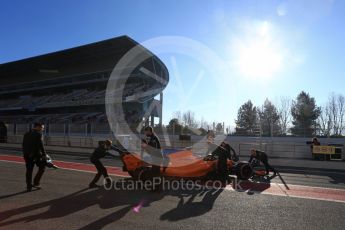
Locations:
{"points": [[257, 55]]}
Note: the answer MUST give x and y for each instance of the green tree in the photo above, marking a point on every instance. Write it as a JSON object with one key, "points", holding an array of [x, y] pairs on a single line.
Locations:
{"points": [[247, 118], [174, 126], [269, 119], [304, 112]]}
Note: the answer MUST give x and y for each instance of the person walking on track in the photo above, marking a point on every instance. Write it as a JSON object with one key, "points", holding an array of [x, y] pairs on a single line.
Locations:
{"points": [[34, 154]]}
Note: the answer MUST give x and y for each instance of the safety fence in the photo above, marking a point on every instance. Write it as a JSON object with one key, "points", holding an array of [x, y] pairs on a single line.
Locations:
{"points": [[288, 150], [197, 145]]}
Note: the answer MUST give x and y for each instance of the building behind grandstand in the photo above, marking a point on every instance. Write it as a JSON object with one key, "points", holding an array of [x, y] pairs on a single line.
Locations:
{"points": [[66, 90]]}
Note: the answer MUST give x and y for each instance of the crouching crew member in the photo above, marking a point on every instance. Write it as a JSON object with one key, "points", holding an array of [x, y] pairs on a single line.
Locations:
{"points": [[100, 152], [262, 156], [34, 154]]}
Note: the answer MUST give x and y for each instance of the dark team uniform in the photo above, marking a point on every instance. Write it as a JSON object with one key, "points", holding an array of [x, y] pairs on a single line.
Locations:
{"points": [[98, 153], [3, 133], [262, 156], [223, 155], [154, 149], [230, 150], [34, 152], [153, 141]]}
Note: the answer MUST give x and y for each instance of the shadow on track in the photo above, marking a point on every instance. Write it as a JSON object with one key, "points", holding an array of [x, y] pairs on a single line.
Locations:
{"points": [[16, 194], [336, 178], [78, 201], [283, 181], [190, 207], [123, 201], [86, 198], [184, 210], [191, 203]]}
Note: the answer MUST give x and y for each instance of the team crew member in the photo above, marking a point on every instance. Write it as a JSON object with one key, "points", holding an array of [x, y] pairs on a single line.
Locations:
{"points": [[222, 167], [228, 148], [152, 146], [3, 132], [34, 153], [210, 141], [100, 152], [262, 156], [314, 142], [223, 153]]}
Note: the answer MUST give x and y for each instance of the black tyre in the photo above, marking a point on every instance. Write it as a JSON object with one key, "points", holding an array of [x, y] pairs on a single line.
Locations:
{"points": [[243, 170], [133, 174], [143, 174]]}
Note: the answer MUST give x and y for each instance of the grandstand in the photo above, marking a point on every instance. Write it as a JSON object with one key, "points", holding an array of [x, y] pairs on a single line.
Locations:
{"points": [[66, 89]]}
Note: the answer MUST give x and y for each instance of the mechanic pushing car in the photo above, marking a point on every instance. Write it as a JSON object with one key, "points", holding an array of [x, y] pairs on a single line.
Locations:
{"points": [[261, 156], [230, 150], [223, 153], [222, 167], [100, 152], [152, 146]]}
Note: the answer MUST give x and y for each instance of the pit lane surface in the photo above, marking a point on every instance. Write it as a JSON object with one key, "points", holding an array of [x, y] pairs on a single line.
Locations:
{"points": [[64, 202]]}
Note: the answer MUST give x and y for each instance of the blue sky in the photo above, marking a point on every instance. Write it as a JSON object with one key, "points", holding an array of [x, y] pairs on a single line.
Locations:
{"points": [[269, 48]]}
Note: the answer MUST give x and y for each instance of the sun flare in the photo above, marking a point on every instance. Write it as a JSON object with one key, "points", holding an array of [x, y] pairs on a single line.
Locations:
{"points": [[257, 55]]}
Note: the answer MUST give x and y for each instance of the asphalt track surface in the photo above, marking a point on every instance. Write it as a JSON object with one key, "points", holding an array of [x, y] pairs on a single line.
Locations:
{"points": [[297, 199]]}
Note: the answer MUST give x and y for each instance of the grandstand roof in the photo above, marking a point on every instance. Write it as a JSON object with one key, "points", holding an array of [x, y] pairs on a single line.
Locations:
{"points": [[98, 56]]}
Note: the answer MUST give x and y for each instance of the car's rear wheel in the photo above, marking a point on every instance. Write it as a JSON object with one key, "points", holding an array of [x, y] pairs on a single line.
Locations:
{"points": [[133, 174], [243, 170], [143, 174]]}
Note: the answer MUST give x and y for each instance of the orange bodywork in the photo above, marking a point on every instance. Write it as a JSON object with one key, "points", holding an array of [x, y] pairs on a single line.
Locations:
{"points": [[181, 164]]}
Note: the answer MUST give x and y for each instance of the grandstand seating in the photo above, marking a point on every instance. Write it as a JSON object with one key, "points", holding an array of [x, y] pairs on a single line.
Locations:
{"points": [[73, 98], [74, 93]]}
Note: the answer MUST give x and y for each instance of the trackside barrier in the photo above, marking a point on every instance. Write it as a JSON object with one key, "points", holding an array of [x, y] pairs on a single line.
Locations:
{"points": [[288, 150], [273, 149]]}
